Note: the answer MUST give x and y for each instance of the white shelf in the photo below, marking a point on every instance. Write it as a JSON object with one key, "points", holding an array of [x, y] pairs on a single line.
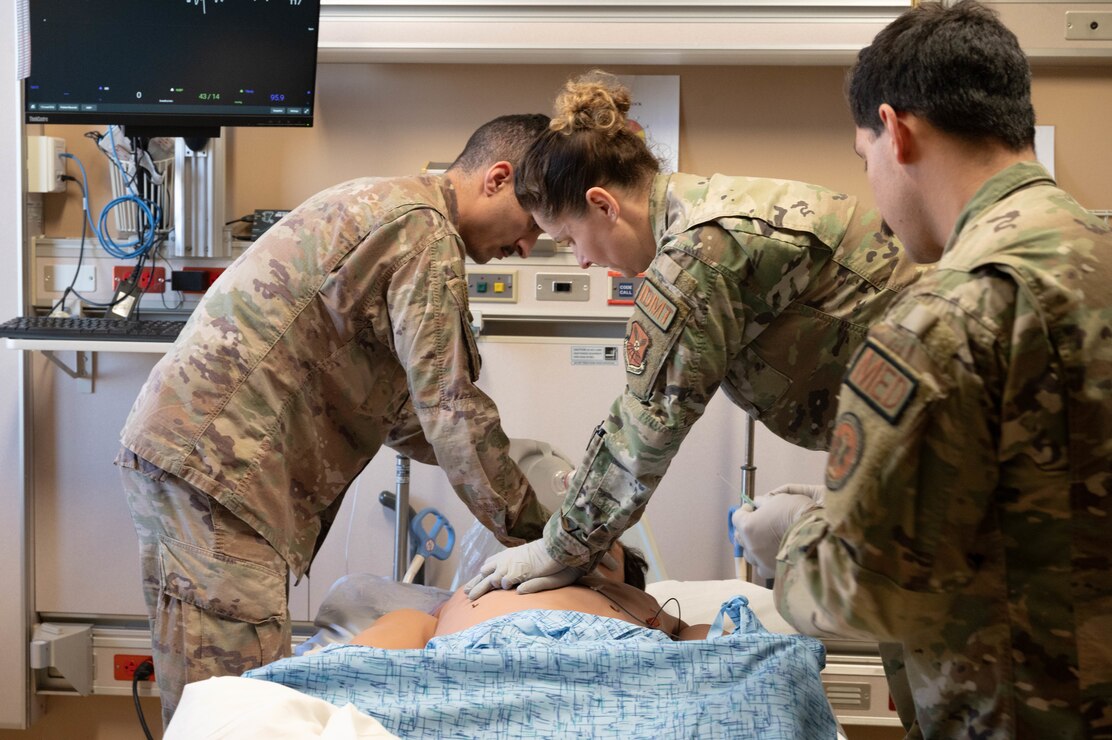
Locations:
{"points": [[86, 345]]}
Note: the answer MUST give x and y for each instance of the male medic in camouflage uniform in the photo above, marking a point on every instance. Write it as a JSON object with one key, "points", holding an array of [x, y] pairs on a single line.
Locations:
{"points": [[345, 327], [968, 491], [763, 287]]}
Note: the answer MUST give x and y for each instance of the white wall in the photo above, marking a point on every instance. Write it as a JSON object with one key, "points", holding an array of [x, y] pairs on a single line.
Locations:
{"points": [[13, 577]]}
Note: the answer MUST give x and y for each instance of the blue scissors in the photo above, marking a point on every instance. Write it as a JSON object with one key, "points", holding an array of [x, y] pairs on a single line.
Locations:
{"points": [[426, 537]]}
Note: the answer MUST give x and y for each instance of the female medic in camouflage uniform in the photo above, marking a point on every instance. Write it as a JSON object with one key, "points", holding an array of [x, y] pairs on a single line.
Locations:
{"points": [[763, 287], [345, 327]]}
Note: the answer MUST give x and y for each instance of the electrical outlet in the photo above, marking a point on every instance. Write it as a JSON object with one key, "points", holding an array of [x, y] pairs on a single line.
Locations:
{"points": [[56, 278], [44, 164], [151, 280], [123, 666]]}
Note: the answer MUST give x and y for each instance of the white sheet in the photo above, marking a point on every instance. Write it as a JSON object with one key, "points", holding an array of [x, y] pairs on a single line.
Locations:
{"points": [[699, 601], [233, 708], [227, 708]]}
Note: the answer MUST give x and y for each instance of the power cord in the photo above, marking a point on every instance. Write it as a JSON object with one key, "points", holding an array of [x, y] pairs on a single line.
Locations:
{"points": [[142, 672]]}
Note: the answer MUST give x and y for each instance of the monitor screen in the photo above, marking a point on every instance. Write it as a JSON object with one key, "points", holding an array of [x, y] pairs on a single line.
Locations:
{"points": [[173, 67]]}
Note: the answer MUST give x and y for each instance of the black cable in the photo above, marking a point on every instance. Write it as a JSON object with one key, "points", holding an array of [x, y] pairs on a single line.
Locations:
{"points": [[80, 252], [159, 255], [80, 257], [142, 672], [652, 622]]}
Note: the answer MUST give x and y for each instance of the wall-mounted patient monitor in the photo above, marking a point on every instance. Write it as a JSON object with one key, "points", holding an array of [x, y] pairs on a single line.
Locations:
{"points": [[182, 68]]}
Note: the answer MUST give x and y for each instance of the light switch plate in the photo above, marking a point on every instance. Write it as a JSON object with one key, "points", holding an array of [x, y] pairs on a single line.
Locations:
{"points": [[56, 278], [560, 286]]}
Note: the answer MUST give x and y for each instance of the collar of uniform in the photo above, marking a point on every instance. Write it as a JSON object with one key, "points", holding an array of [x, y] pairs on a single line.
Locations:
{"points": [[996, 188], [658, 206], [451, 204]]}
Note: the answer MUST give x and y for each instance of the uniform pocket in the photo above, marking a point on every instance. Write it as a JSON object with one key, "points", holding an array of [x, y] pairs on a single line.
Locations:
{"points": [[458, 288], [125, 458], [220, 615], [222, 585]]}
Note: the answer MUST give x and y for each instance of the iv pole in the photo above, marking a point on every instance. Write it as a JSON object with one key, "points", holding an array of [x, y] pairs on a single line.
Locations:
{"points": [[748, 487]]}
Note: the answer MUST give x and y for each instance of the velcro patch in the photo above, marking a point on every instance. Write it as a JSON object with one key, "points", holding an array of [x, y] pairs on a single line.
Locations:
{"points": [[657, 306], [882, 383], [637, 346], [846, 445]]}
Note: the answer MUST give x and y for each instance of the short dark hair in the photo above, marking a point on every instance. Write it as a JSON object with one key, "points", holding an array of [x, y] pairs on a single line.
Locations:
{"points": [[589, 143], [635, 566], [959, 68], [506, 138]]}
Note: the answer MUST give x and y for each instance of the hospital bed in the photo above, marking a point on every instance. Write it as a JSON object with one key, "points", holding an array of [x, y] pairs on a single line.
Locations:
{"points": [[761, 681]]}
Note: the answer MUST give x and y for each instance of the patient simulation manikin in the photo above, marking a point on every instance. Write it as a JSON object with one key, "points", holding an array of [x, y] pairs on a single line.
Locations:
{"points": [[602, 592]]}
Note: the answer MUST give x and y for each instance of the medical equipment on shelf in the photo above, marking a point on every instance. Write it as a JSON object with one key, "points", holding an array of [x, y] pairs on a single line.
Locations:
{"points": [[427, 536]]}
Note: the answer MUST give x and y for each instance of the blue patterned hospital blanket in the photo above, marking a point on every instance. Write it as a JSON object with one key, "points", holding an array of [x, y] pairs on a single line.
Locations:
{"points": [[565, 674]]}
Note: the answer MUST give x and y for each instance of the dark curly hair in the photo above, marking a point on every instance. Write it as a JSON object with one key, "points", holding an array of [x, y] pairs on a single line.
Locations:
{"points": [[959, 68]]}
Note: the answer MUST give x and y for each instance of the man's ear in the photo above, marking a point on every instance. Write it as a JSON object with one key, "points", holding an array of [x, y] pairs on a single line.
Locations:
{"points": [[902, 133], [498, 176], [601, 200]]}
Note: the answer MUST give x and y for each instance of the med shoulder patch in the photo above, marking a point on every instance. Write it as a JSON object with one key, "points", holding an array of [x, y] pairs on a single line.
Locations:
{"points": [[657, 307], [882, 382]]}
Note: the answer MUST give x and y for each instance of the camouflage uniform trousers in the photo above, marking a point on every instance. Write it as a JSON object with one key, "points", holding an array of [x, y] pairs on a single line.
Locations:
{"points": [[216, 591]]}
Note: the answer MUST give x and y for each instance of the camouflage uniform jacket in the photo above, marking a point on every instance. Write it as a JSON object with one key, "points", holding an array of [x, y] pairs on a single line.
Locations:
{"points": [[765, 287], [344, 327], [970, 477]]}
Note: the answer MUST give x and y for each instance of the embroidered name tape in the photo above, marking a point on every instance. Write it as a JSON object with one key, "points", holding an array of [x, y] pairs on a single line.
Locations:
{"points": [[657, 306], [882, 383]]}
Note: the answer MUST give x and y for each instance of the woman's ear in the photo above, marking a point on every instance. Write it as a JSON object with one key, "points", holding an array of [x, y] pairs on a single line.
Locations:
{"points": [[600, 200]]}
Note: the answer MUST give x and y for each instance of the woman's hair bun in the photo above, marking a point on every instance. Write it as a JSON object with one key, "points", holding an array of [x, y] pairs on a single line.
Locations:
{"points": [[596, 101]]}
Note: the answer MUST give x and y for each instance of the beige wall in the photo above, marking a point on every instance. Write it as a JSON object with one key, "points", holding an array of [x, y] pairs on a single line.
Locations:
{"points": [[792, 122]]}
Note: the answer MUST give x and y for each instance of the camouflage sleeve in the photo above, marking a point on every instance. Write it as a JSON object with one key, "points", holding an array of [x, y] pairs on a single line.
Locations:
{"points": [[427, 300], [683, 328], [407, 437], [902, 525]]}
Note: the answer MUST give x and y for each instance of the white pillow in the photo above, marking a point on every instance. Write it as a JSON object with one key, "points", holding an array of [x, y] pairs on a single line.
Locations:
{"points": [[699, 601]]}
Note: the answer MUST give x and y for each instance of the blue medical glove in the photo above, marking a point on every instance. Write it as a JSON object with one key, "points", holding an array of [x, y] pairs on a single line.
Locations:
{"points": [[759, 530]]}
